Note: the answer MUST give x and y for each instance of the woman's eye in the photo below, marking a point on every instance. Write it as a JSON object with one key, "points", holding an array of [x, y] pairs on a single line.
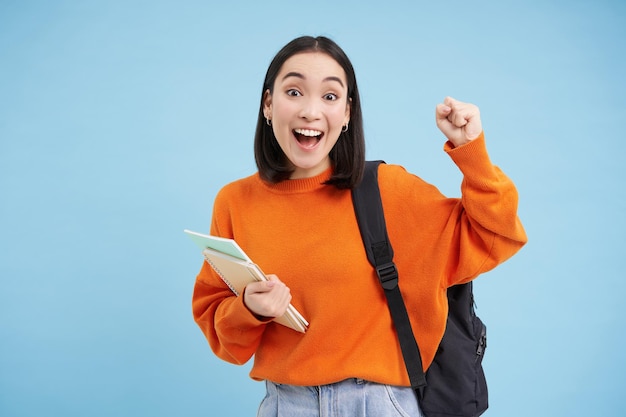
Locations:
{"points": [[330, 97], [293, 92]]}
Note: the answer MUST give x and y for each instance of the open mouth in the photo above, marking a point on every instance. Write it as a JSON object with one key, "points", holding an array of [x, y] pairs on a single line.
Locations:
{"points": [[308, 138]]}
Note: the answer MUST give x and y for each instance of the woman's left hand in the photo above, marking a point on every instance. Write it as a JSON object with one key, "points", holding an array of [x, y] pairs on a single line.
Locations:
{"points": [[458, 121]]}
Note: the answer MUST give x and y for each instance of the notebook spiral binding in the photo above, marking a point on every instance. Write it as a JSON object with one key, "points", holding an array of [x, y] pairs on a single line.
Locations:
{"points": [[216, 269]]}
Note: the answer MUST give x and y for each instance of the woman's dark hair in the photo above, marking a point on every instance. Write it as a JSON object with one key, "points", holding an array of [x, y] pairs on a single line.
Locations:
{"points": [[348, 154]]}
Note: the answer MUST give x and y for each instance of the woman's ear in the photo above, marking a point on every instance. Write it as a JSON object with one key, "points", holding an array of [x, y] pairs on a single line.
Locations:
{"points": [[267, 104], [348, 108]]}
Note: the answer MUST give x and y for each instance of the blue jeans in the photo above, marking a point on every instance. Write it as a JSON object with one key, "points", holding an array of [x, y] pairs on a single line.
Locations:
{"points": [[349, 398]]}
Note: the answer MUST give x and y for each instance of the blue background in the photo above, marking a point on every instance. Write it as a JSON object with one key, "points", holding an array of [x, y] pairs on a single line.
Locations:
{"points": [[120, 120]]}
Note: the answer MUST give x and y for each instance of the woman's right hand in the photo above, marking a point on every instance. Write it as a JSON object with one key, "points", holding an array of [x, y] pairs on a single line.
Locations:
{"points": [[267, 299]]}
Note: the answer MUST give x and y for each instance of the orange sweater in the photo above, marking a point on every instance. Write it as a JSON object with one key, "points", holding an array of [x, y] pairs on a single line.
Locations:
{"points": [[306, 233]]}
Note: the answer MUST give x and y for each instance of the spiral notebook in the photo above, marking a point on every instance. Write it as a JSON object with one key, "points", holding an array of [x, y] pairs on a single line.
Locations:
{"points": [[237, 270]]}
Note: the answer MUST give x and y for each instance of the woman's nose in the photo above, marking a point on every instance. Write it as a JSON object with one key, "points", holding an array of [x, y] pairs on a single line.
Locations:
{"points": [[311, 109]]}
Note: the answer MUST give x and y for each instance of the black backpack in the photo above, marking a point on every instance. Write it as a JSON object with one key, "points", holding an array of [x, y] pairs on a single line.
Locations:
{"points": [[454, 384]]}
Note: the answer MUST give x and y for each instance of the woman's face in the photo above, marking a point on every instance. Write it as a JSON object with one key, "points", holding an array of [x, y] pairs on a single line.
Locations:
{"points": [[308, 108]]}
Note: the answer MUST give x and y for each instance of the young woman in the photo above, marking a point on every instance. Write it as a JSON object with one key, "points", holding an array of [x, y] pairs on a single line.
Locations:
{"points": [[295, 219]]}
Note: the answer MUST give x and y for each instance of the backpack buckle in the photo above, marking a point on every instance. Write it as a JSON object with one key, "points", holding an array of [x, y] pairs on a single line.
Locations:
{"points": [[388, 275]]}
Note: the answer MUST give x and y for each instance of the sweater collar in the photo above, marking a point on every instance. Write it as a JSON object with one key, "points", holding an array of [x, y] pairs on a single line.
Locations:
{"points": [[301, 185]]}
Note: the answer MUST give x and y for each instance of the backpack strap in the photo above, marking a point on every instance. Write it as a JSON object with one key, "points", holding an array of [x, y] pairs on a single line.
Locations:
{"points": [[369, 214]]}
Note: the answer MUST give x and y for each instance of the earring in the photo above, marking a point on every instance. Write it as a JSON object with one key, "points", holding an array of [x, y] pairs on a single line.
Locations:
{"points": [[344, 128], [268, 121]]}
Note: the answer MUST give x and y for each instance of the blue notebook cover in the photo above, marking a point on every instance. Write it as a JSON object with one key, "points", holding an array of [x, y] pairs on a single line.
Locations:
{"points": [[220, 244]]}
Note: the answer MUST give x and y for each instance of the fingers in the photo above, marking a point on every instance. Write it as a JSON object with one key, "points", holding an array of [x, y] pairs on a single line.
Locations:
{"points": [[460, 113], [267, 298], [442, 111], [458, 121], [273, 278]]}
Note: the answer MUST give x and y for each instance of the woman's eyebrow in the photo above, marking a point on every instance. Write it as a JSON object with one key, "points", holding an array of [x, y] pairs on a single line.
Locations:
{"points": [[302, 77]]}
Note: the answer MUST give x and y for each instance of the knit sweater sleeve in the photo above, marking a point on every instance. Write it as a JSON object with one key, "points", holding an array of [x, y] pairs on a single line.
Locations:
{"points": [[232, 331], [452, 240], [486, 227]]}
